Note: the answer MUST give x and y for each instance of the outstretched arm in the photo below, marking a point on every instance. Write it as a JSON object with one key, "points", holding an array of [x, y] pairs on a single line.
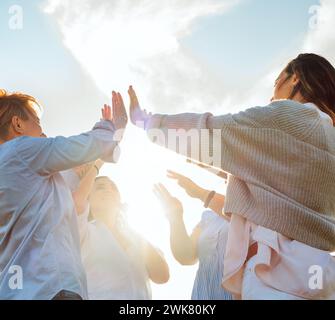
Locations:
{"points": [[183, 246], [216, 203], [46, 156], [230, 143]]}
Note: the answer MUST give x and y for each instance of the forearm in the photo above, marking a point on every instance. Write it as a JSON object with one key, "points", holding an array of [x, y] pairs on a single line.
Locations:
{"points": [[156, 265], [182, 245], [181, 134], [81, 194], [226, 142]]}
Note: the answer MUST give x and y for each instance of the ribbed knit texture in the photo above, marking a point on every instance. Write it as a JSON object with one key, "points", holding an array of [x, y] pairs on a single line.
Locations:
{"points": [[282, 164]]}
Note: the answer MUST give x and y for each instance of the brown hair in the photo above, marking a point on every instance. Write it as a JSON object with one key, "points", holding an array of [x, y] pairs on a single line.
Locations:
{"points": [[317, 81], [15, 104]]}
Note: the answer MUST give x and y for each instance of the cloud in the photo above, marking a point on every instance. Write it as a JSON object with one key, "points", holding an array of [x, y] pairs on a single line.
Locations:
{"points": [[120, 43]]}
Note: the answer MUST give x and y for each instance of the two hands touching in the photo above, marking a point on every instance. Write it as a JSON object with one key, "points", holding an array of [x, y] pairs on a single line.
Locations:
{"points": [[117, 114]]}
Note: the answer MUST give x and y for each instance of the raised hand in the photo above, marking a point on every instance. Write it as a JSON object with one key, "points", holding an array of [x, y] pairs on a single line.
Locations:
{"points": [[117, 114], [192, 189], [172, 206], [138, 116]]}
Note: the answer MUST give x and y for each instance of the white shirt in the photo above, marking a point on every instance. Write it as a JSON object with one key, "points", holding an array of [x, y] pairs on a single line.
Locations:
{"points": [[38, 225], [112, 273]]}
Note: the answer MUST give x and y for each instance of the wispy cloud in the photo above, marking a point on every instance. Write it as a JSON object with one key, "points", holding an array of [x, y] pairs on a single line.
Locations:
{"points": [[139, 42]]}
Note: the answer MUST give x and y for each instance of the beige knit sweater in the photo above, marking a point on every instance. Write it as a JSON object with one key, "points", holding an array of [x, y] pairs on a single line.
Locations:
{"points": [[282, 164]]}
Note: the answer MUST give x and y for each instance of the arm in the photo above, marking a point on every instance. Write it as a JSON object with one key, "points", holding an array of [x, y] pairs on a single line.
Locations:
{"points": [[196, 192], [46, 156], [81, 194], [229, 143], [183, 246], [156, 265]]}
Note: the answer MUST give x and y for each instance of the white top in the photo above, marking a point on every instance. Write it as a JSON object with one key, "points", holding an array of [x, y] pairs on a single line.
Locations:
{"points": [[38, 225], [113, 273]]}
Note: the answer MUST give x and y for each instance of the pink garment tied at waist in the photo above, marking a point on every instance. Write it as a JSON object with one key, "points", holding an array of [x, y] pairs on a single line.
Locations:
{"points": [[281, 263]]}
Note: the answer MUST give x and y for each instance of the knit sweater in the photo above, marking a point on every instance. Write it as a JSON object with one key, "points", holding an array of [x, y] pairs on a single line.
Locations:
{"points": [[281, 161]]}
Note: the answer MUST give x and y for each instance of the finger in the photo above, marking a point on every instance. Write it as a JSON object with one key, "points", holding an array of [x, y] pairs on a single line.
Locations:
{"points": [[120, 98], [133, 97], [121, 107], [158, 193], [165, 191], [105, 111], [114, 111], [161, 193], [110, 113], [174, 175], [121, 111], [114, 98]]}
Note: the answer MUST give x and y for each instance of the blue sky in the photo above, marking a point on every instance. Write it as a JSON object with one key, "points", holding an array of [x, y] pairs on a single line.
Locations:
{"points": [[239, 45], [244, 41]]}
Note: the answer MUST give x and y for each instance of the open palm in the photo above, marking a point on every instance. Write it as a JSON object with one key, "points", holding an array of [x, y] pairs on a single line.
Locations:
{"points": [[138, 116]]}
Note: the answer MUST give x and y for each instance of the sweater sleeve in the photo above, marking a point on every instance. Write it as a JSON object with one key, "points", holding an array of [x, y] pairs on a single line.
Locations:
{"points": [[230, 143]]}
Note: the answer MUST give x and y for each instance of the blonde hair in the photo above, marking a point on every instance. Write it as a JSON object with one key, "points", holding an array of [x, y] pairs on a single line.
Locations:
{"points": [[16, 104]]}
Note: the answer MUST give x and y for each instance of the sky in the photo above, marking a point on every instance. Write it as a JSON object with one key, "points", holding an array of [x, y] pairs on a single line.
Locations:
{"points": [[181, 55]]}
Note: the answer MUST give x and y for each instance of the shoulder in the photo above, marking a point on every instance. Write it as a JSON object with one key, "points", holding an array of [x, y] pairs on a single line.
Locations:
{"points": [[285, 115], [30, 143], [290, 108]]}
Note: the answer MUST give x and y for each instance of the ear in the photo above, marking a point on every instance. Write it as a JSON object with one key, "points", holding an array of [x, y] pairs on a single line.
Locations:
{"points": [[295, 80], [17, 125]]}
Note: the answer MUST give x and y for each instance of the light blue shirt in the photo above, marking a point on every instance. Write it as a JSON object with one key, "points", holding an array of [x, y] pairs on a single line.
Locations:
{"points": [[38, 223], [211, 249]]}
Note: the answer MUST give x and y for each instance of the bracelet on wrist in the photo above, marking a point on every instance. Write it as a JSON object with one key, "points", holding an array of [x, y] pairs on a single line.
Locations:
{"points": [[209, 199], [98, 170]]}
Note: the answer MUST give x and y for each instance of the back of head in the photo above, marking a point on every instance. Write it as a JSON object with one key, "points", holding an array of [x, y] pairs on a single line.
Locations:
{"points": [[317, 81], [15, 104]]}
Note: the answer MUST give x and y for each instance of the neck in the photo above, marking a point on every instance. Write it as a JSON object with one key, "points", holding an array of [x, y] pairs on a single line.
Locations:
{"points": [[299, 98], [108, 218]]}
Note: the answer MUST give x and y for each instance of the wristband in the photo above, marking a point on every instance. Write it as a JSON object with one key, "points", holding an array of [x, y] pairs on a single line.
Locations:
{"points": [[209, 199], [98, 171]]}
